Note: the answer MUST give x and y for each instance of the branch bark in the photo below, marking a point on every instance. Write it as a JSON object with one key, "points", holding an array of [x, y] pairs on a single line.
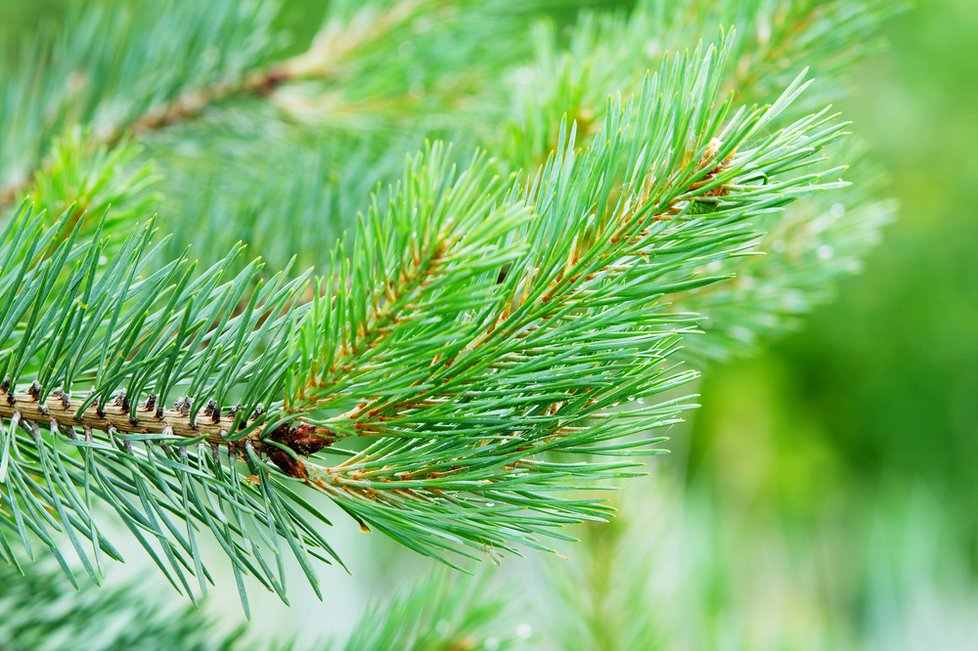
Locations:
{"points": [[302, 439]]}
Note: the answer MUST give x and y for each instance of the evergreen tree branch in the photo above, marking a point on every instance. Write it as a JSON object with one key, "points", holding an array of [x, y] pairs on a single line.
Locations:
{"points": [[579, 295], [109, 345], [485, 350]]}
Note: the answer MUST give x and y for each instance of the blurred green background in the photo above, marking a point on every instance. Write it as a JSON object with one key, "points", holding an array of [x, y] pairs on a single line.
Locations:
{"points": [[855, 438]]}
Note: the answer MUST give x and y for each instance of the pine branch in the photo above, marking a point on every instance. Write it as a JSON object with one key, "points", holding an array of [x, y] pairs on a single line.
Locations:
{"points": [[464, 294], [454, 383], [486, 347], [135, 340]]}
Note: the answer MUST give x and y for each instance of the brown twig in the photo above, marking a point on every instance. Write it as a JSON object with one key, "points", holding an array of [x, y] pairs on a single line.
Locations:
{"points": [[302, 439]]}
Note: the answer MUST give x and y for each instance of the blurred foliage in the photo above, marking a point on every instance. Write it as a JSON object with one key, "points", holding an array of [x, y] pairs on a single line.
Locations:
{"points": [[879, 392], [860, 430]]}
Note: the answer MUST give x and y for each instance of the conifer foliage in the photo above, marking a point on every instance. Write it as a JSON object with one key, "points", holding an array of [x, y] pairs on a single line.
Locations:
{"points": [[561, 231]]}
